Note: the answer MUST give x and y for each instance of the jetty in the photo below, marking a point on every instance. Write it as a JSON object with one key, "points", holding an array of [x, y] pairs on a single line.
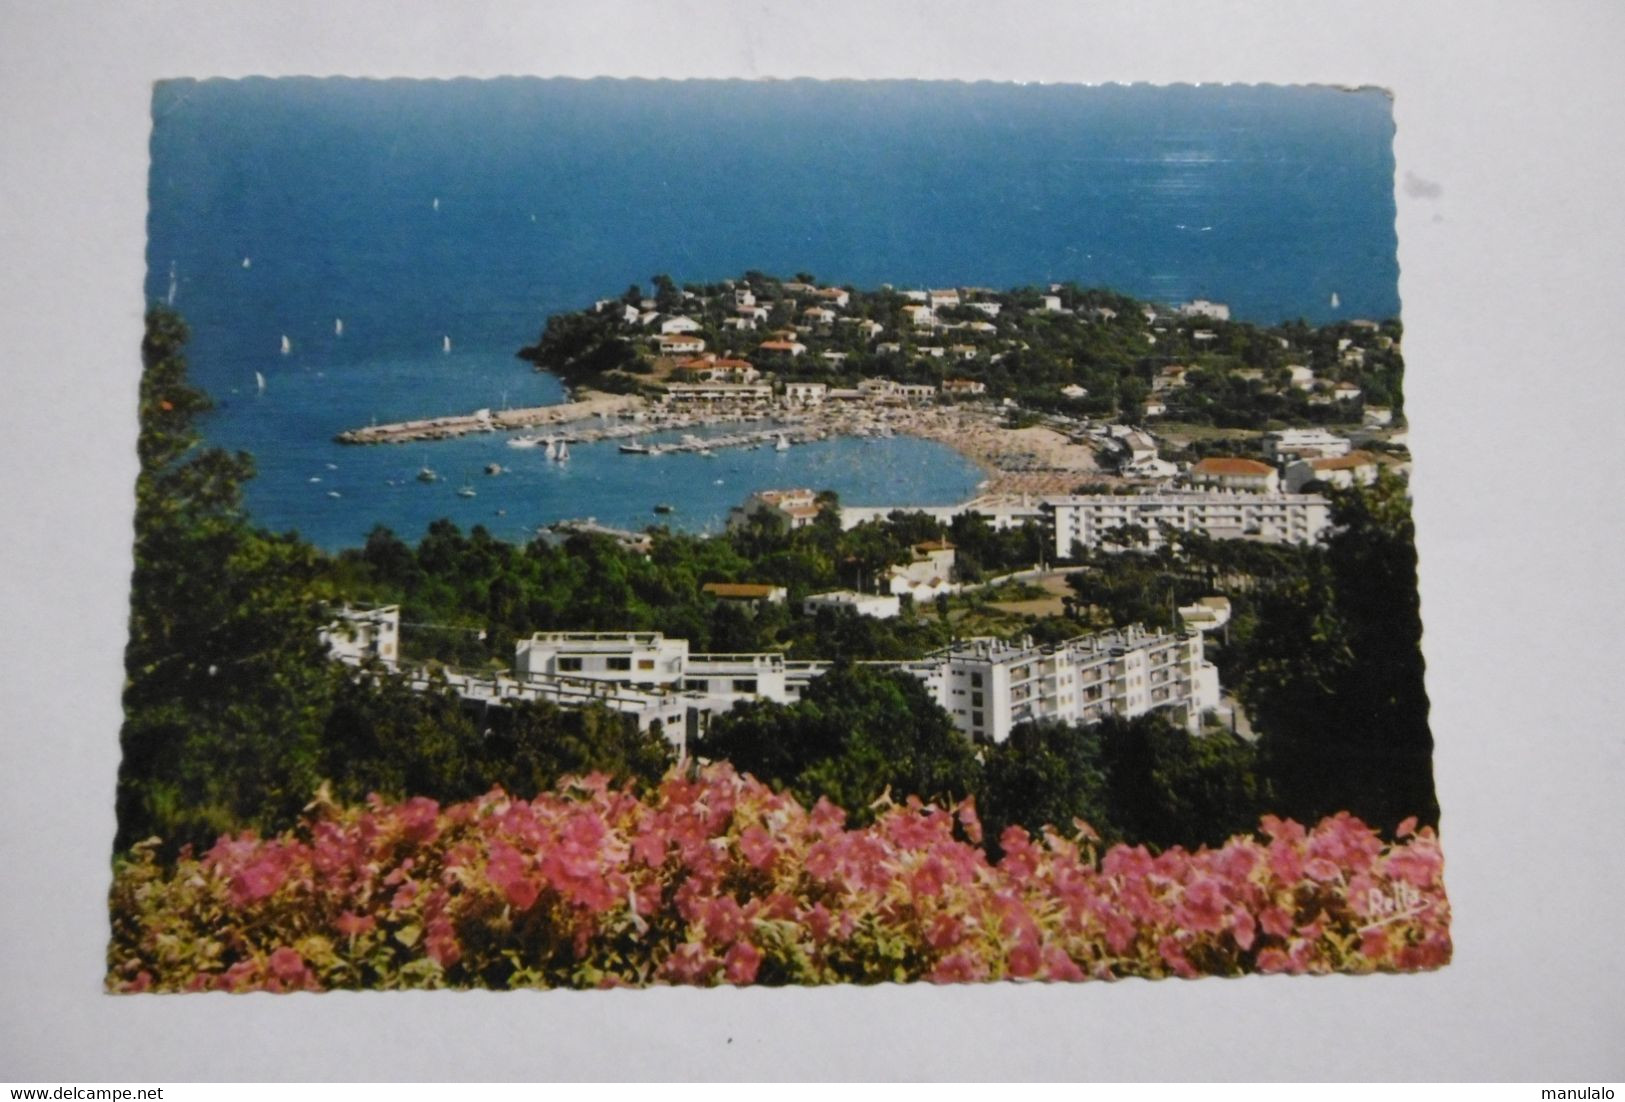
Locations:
{"points": [[486, 420]]}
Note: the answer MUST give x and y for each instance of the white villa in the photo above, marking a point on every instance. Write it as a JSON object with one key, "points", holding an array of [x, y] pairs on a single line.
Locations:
{"points": [[879, 606]]}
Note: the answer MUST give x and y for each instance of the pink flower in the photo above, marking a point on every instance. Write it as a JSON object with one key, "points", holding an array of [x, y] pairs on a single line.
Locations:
{"points": [[1273, 960], [404, 895], [1202, 908], [960, 967], [741, 963], [258, 880], [1059, 966], [351, 924], [506, 871], [1323, 870], [1276, 922], [418, 819], [1244, 930], [944, 931], [757, 847], [969, 821], [287, 966]]}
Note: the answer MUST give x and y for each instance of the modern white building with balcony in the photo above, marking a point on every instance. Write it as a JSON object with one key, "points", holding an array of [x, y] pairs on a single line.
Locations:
{"points": [[990, 685], [1087, 519]]}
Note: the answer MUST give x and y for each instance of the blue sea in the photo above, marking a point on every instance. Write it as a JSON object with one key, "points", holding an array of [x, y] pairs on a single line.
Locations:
{"points": [[420, 210]]}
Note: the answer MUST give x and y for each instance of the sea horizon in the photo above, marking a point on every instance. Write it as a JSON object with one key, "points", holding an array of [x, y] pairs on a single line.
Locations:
{"points": [[413, 214]]}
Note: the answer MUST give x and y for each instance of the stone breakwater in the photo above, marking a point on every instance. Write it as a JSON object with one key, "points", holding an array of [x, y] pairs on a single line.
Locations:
{"points": [[444, 428]]}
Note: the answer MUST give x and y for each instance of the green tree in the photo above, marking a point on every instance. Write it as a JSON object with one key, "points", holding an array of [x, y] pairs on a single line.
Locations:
{"points": [[1335, 669], [1045, 774], [226, 680], [1167, 788], [856, 734]]}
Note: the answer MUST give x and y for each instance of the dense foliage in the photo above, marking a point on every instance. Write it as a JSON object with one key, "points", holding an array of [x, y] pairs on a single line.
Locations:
{"points": [[717, 879]]}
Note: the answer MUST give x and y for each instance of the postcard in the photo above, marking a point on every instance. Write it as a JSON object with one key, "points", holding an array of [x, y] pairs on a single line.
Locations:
{"points": [[613, 533]]}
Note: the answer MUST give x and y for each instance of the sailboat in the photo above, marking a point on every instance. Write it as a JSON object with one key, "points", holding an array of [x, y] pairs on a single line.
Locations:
{"points": [[287, 345], [445, 344], [465, 490], [259, 382], [552, 448], [169, 299], [436, 203], [1335, 302], [564, 451], [338, 327], [247, 263], [782, 445]]}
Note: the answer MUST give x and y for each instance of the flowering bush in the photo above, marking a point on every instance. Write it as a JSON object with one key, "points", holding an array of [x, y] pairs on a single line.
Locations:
{"points": [[714, 878]]}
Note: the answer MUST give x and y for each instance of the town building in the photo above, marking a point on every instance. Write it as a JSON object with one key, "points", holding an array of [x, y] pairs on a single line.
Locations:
{"points": [[364, 634], [687, 393], [791, 508], [808, 395], [755, 593], [1304, 443], [1231, 473], [879, 606], [990, 685], [1086, 519], [681, 342], [1202, 308], [1207, 614], [679, 324], [1357, 468], [963, 387], [782, 348]]}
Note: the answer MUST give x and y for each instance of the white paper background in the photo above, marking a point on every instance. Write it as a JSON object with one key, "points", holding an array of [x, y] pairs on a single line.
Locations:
{"points": [[1511, 286]]}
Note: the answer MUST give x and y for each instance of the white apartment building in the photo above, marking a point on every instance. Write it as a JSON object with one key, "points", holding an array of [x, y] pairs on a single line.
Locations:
{"points": [[987, 685], [990, 686], [1220, 514], [1304, 443], [683, 393]]}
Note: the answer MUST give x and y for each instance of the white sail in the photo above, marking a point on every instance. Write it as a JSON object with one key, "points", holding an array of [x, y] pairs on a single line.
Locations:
{"points": [[564, 451], [436, 203], [247, 263], [259, 382], [169, 299], [552, 448], [287, 345], [783, 444], [445, 344], [1335, 302], [338, 327]]}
